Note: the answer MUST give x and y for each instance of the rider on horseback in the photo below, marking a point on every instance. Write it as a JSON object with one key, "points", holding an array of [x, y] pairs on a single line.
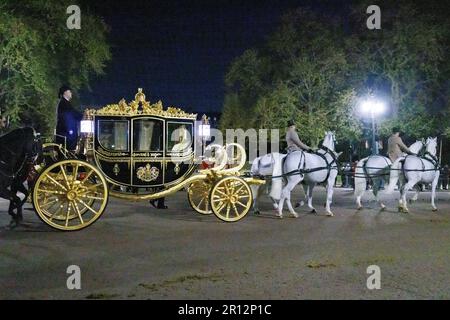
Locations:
{"points": [[292, 139], [396, 146]]}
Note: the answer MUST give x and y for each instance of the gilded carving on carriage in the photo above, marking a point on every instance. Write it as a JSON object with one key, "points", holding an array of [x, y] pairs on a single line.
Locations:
{"points": [[140, 106], [116, 169], [138, 151], [147, 173]]}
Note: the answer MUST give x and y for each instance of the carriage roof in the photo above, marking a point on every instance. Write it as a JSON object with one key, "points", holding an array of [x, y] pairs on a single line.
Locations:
{"points": [[133, 142], [140, 107]]}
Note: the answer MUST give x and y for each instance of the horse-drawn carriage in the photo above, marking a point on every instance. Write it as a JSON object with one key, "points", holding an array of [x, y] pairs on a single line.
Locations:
{"points": [[137, 151]]}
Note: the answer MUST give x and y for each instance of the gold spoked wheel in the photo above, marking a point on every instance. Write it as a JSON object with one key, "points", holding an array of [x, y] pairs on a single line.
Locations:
{"points": [[70, 195], [231, 199], [198, 196]]}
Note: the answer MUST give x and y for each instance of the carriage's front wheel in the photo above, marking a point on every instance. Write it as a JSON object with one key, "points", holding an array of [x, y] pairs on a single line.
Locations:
{"points": [[70, 195], [231, 199], [198, 196]]}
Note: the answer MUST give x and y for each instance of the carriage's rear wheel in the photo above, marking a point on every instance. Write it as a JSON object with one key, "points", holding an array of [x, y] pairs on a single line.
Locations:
{"points": [[70, 195], [198, 196], [231, 199]]}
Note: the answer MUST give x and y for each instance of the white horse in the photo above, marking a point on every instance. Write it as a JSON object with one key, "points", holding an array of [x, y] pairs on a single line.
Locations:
{"points": [[414, 170], [312, 168], [269, 165], [375, 168]]}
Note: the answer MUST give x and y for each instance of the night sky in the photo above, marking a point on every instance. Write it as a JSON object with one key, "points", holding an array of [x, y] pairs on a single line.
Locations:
{"points": [[180, 51]]}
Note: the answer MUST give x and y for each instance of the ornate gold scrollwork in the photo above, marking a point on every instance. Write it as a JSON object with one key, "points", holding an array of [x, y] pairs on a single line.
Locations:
{"points": [[147, 173], [116, 169], [130, 109]]}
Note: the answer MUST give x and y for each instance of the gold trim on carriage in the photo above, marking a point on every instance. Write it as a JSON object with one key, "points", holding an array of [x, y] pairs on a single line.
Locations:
{"points": [[138, 151]]}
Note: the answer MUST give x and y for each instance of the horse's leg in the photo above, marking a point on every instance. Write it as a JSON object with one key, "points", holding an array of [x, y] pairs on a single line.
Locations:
{"points": [[310, 197], [305, 190], [416, 194], [21, 188], [411, 183], [274, 203], [15, 203], [293, 180], [360, 188], [433, 190], [376, 192], [255, 191], [330, 190]]}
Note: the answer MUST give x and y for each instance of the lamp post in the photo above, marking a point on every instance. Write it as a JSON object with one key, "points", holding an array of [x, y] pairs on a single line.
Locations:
{"points": [[204, 131], [373, 108]]}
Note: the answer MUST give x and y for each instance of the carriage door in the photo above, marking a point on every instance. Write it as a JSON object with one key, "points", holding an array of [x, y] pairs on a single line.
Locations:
{"points": [[179, 150], [112, 148], [148, 150]]}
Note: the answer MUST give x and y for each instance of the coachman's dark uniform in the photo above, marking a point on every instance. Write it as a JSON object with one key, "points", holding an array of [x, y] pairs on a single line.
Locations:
{"points": [[67, 125]]}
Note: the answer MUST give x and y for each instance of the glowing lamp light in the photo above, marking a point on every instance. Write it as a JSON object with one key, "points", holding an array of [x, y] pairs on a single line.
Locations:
{"points": [[204, 130], [373, 107], [87, 126]]}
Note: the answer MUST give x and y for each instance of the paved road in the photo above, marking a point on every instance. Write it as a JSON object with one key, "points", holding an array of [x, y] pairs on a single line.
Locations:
{"points": [[137, 252]]}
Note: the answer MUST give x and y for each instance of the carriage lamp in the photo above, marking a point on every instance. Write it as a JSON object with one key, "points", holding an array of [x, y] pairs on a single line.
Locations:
{"points": [[87, 126]]}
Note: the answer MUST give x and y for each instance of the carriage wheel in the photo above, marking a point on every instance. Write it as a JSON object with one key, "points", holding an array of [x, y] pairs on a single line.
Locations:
{"points": [[231, 199], [70, 195], [198, 196]]}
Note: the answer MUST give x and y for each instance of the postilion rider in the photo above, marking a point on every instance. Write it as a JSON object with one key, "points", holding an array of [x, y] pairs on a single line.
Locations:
{"points": [[293, 141], [396, 146]]}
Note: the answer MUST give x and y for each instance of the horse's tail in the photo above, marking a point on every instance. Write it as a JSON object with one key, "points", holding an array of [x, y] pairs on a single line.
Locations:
{"points": [[277, 171], [394, 175], [360, 178]]}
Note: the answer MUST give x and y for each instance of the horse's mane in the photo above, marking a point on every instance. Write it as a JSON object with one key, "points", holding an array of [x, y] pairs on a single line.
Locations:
{"points": [[14, 140]]}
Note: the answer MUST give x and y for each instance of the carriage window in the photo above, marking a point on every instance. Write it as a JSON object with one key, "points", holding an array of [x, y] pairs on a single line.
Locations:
{"points": [[113, 135], [147, 135], [179, 137]]}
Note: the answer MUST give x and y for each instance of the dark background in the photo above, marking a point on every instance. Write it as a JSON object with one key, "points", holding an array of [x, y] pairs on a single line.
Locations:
{"points": [[180, 51]]}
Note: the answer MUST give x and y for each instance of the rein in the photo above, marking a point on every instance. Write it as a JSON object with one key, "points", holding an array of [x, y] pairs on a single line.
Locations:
{"points": [[330, 165]]}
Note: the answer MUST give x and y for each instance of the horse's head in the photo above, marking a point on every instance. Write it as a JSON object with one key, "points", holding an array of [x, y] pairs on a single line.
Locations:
{"points": [[32, 145], [416, 146], [329, 140], [431, 145]]}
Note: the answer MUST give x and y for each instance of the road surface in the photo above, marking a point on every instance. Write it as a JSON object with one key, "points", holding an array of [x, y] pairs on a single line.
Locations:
{"points": [[137, 252]]}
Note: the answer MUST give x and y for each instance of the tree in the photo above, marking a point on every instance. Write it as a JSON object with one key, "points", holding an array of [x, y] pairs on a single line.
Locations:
{"points": [[300, 74], [324, 64], [407, 61], [38, 54]]}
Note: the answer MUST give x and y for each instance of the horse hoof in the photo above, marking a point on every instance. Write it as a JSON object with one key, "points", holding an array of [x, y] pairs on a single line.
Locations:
{"points": [[313, 211], [294, 214], [299, 204], [359, 208], [257, 212], [383, 207], [330, 214], [279, 216], [435, 209], [400, 209]]}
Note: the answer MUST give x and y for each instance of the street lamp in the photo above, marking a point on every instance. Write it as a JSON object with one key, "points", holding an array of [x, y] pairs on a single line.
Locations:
{"points": [[373, 108]]}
